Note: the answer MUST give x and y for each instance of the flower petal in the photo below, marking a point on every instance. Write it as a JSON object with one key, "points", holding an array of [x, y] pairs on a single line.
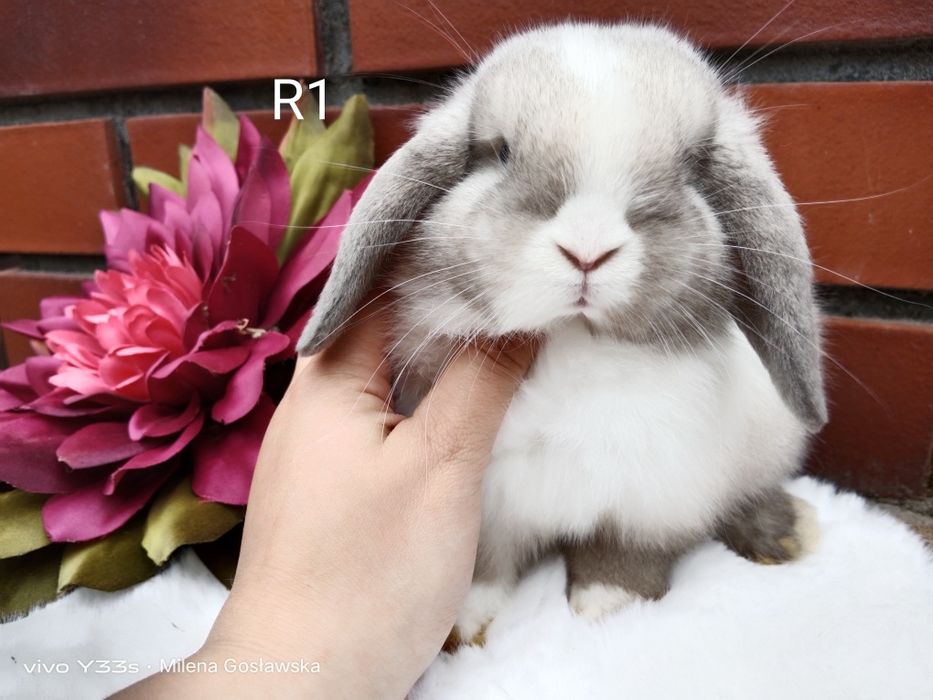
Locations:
{"points": [[175, 381], [64, 403], [27, 454], [8, 401], [211, 173], [25, 326], [245, 279], [224, 461], [98, 444], [207, 235], [265, 197], [56, 305], [159, 420], [88, 512], [313, 256], [219, 361], [156, 455], [247, 147], [163, 201], [125, 231], [16, 381], [38, 371], [245, 387]]}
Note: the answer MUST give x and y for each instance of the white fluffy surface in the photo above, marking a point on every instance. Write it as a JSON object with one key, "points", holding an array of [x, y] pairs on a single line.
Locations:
{"points": [[166, 617], [852, 620]]}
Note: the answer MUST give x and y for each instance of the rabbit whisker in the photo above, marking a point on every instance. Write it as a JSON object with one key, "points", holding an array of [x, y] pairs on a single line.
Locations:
{"points": [[792, 327], [353, 223], [381, 294], [373, 170], [760, 30], [425, 238], [474, 54], [743, 66], [444, 35], [804, 261]]}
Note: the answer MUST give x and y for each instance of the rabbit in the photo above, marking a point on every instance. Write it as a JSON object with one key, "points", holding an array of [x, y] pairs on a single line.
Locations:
{"points": [[600, 187]]}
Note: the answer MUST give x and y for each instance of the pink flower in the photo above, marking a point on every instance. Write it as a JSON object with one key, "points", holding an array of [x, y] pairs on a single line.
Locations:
{"points": [[131, 322], [163, 363]]}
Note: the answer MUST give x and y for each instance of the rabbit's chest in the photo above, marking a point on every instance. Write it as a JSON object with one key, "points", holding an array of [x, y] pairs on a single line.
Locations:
{"points": [[660, 444]]}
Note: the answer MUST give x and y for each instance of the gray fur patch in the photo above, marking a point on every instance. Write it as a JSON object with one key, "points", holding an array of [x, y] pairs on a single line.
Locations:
{"points": [[424, 168], [763, 529], [777, 310], [606, 558]]}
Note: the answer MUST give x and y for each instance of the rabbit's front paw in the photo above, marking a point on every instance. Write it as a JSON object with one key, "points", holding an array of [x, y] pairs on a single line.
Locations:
{"points": [[802, 539], [482, 604], [595, 601], [772, 529]]}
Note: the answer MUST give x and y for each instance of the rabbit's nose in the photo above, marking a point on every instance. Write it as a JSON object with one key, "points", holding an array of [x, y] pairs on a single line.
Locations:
{"points": [[590, 264]]}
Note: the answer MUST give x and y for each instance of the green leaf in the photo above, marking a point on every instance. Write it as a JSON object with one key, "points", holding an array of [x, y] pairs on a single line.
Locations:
{"points": [[184, 160], [143, 177], [220, 122], [302, 133], [336, 161], [178, 517], [110, 563], [28, 580], [21, 527]]}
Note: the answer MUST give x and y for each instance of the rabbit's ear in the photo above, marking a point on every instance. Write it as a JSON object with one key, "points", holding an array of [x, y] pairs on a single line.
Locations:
{"points": [[420, 171], [775, 305]]}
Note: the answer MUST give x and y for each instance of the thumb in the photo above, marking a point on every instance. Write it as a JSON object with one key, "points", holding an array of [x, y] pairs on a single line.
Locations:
{"points": [[461, 414]]}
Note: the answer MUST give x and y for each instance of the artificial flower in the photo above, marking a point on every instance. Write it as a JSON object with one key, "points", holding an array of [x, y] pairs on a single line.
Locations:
{"points": [[160, 368]]}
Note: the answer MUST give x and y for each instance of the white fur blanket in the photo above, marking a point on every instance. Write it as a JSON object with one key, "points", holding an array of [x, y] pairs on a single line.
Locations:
{"points": [[852, 620]]}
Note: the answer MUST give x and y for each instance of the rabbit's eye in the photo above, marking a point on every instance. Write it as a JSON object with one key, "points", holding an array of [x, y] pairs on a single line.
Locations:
{"points": [[489, 153], [502, 150], [652, 212]]}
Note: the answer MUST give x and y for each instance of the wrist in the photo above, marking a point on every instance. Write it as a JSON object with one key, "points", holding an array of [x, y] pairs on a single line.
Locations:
{"points": [[327, 652]]}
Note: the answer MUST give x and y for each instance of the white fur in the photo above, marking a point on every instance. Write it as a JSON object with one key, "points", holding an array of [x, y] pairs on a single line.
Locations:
{"points": [[482, 604], [660, 444], [597, 600], [851, 621]]}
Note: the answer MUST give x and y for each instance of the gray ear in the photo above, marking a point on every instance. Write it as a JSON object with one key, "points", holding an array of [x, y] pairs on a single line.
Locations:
{"points": [[776, 308], [421, 170]]}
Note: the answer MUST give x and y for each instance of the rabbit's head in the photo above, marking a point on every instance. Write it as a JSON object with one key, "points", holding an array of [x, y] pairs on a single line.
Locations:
{"points": [[596, 172]]}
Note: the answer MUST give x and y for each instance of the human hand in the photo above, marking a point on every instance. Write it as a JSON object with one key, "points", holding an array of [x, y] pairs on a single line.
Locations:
{"points": [[362, 525]]}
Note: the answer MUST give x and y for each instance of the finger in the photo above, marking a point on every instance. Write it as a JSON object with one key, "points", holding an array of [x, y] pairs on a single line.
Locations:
{"points": [[355, 362], [462, 412]]}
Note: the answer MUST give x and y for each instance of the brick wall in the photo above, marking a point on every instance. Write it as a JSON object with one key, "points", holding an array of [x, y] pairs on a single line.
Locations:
{"points": [[91, 87]]}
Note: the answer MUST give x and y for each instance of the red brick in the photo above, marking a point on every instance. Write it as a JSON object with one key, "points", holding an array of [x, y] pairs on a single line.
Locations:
{"points": [[20, 293], [399, 35], [880, 436], [835, 141], [53, 180], [89, 45]]}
